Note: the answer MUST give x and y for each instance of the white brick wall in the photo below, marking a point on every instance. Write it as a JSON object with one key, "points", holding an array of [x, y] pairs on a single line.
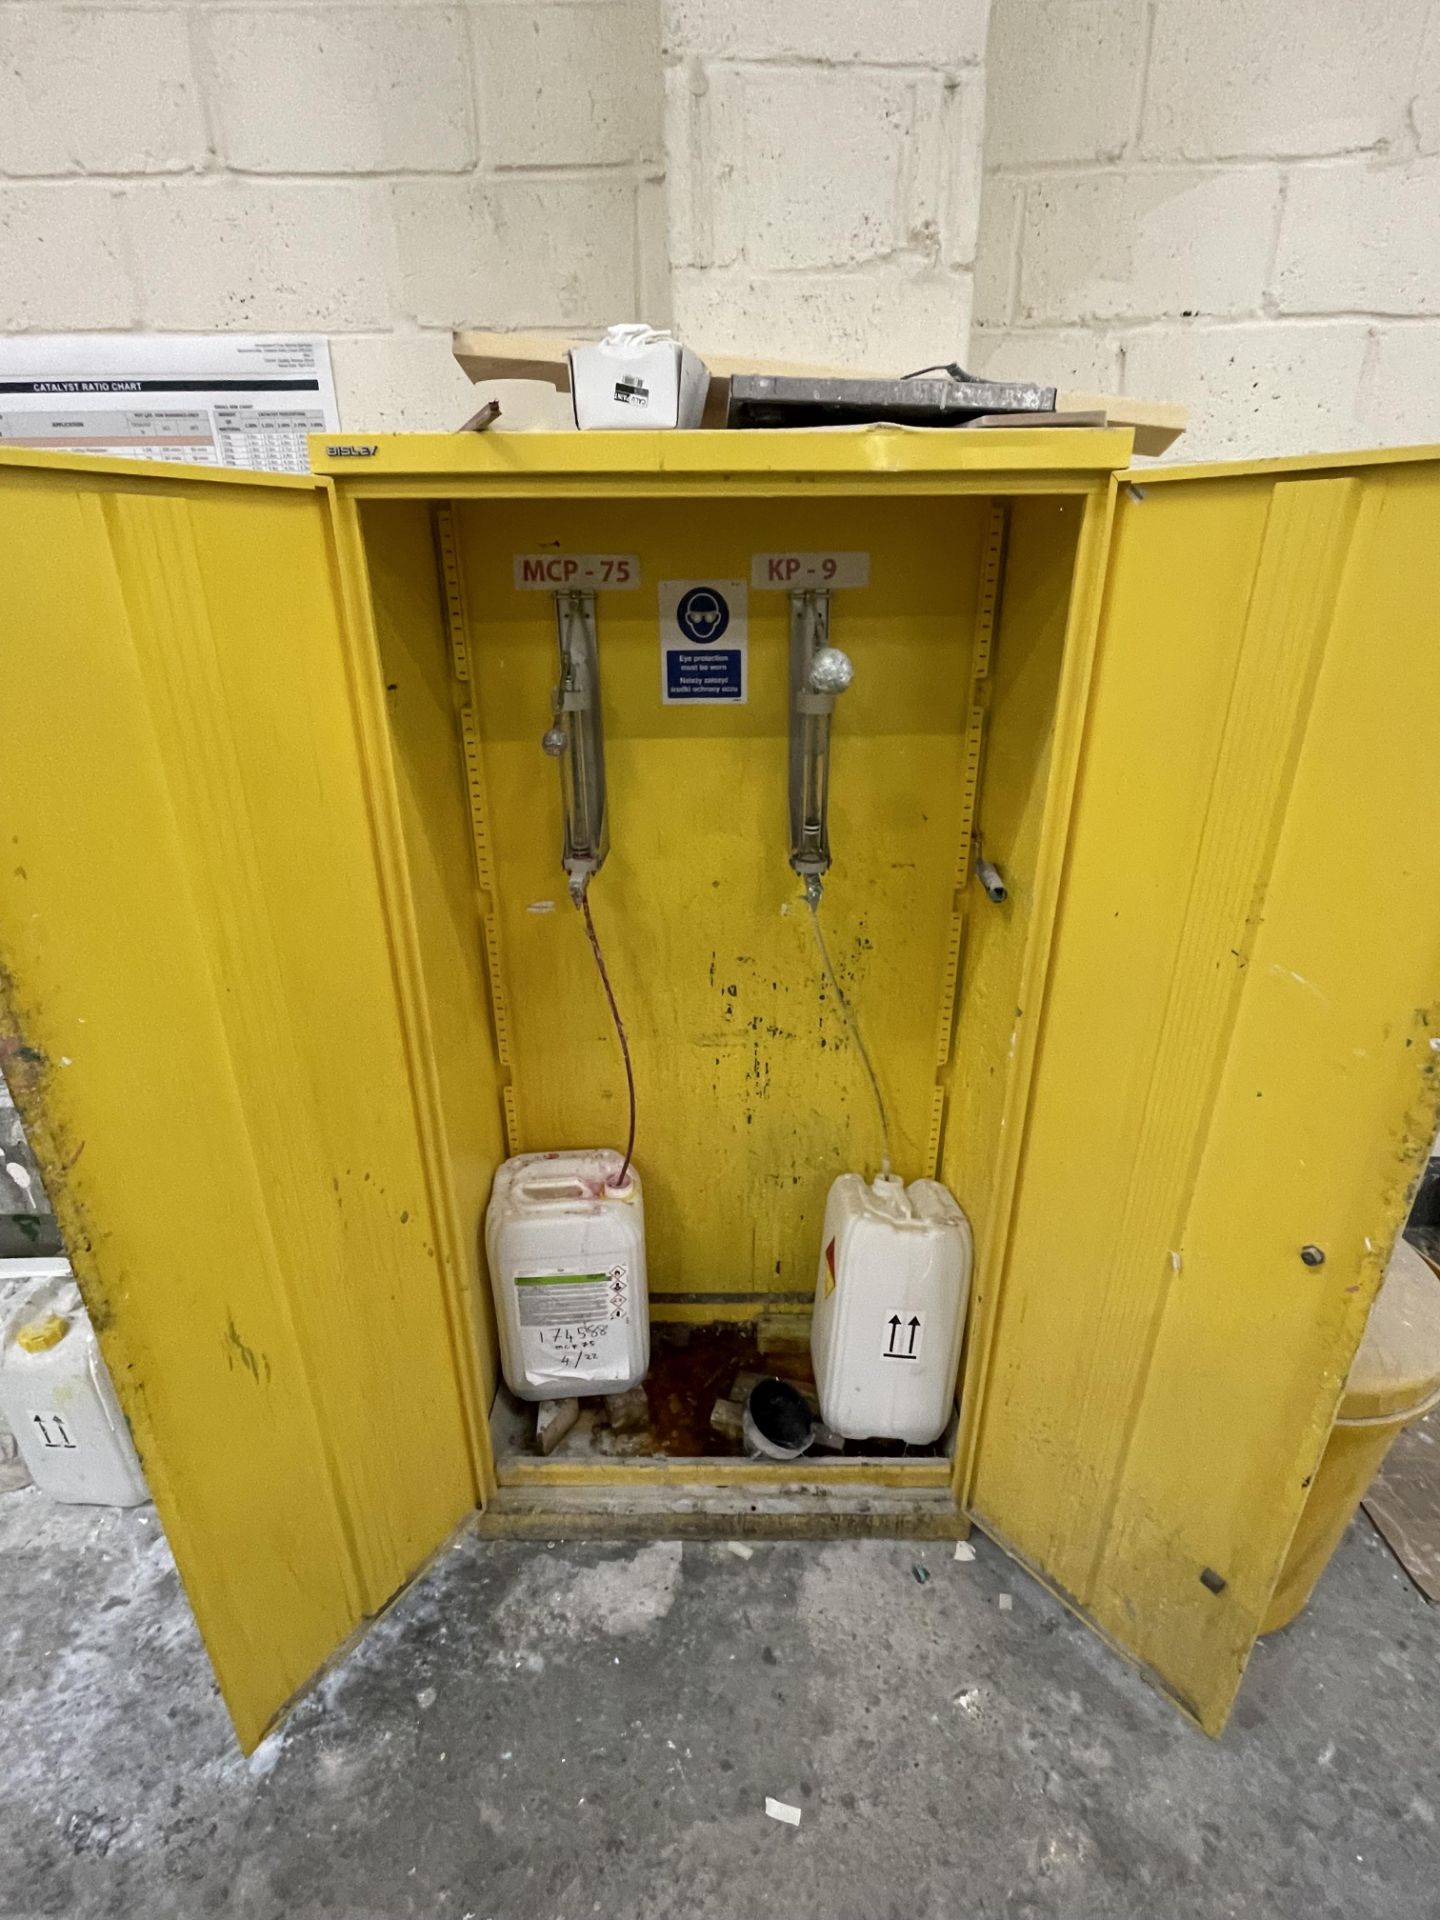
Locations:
{"points": [[929, 33], [382, 170], [342, 89], [61, 249], [1225, 202], [85, 91], [570, 85], [823, 174], [1361, 237], [1120, 245], [1230, 202], [253, 254]]}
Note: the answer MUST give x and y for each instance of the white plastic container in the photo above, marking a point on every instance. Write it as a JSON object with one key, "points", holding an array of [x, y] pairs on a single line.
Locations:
{"points": [[566, 1254], [20, 1282], [57, 1400], [636, 377], [890, 1302]]}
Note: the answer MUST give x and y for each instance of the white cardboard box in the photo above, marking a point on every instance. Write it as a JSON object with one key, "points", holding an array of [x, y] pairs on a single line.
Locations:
{"points": [[637, 378]]}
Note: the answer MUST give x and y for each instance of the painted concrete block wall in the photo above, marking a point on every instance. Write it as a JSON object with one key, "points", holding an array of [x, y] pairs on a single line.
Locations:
{"points": [[381, 170], [1234, 203], [1231, 202], [823, 175]]}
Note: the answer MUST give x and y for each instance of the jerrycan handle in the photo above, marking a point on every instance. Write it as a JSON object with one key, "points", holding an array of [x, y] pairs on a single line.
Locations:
{"points": [[559, 1186]]}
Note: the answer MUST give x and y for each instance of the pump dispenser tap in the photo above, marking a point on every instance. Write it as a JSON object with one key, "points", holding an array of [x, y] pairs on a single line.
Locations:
{"points": [[819, 674], [576, 739]]}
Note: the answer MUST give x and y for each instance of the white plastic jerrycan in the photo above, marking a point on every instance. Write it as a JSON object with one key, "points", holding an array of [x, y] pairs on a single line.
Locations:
{"points": [[57, 1400], [566, 1252], [890, 1302]]}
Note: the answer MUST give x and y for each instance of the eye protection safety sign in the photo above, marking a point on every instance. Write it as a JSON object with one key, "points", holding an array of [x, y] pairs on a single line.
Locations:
{"points": [[704, 642]]}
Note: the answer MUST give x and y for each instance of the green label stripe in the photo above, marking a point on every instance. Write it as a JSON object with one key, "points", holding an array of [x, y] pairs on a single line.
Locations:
{"points": [[561, 1279]]}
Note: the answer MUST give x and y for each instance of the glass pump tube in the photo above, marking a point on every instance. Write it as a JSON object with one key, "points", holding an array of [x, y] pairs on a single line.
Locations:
{"points": [[818, 673], [577, 740]]}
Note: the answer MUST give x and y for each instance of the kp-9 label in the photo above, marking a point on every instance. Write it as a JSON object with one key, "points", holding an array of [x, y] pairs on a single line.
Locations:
{"points": [[783, 572]]}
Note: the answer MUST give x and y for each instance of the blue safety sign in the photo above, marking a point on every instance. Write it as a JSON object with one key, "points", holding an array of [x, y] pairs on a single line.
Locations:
{"points": [[703, 615], [704, 642]]}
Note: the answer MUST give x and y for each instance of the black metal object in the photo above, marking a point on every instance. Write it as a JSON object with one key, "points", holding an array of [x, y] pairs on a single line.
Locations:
{"points": [[797, 400], [28, 1229], [1423, 1230], [781, 1415]]}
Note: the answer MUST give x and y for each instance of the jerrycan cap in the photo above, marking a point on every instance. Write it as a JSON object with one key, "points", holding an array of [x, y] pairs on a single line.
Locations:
{"points": [[38, 1336], [889, 1197]]}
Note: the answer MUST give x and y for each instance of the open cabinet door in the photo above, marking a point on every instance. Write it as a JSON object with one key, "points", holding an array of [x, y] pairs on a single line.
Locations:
{"points": [[218, 1043], [1237, 1058]]}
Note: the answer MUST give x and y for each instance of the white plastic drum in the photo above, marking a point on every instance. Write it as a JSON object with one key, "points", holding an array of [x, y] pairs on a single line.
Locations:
{"points": [[566, 1253], [58, 1402], [890, 1302]]}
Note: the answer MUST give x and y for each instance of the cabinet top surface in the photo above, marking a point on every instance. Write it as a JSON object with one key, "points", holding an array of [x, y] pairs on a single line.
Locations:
{"points": [[1072, 459], [858, 451]]}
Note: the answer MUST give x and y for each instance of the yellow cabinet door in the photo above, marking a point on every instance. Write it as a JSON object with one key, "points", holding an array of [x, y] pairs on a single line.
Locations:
{"points": [[1236, 1071], [219, 1045]]}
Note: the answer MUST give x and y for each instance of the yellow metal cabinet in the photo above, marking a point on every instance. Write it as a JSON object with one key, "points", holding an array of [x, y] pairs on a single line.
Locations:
{"points": [[288, 969]]}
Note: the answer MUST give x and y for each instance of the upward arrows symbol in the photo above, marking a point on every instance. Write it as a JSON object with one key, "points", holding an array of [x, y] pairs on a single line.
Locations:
{"points": [[899, 1348]]}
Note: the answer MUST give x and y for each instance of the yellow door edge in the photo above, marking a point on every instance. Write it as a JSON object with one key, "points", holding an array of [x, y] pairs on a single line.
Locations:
{"points": [[372, 730], [28, 1074], [1213, 1724], [1295, 464], [1072, 702], [352, 1640]]}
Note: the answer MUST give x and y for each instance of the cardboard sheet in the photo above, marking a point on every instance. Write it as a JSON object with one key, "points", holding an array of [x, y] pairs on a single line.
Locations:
{"points": [[1156, 424]]}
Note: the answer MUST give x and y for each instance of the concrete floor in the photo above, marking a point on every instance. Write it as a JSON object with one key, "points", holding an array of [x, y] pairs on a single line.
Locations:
{"points": [[545, 1734]]}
